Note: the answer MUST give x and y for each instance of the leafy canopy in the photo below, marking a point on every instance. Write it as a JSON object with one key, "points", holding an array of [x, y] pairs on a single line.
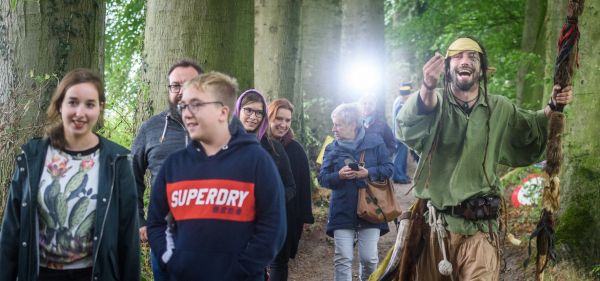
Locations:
{"points": [[428, 26]]}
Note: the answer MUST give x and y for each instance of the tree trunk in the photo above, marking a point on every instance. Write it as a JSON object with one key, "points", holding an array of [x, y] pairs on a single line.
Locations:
{"points": [[218, 34], [579, 222], [555, 18], [362, 45], [39, 42], [529, 89], [401, 65], [319, 72], [277, 26]]}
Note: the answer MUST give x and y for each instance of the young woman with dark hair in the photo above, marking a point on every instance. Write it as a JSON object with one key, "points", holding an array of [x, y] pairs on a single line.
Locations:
{"points": [[251, 108], [71, 211]]}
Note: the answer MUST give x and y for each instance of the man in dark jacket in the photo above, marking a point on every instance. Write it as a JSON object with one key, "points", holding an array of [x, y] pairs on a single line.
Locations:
{"points": [[222, 195], [156, 139]]}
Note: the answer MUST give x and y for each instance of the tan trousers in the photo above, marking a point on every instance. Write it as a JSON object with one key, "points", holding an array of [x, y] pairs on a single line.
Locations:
{"points": [[473, 258]]}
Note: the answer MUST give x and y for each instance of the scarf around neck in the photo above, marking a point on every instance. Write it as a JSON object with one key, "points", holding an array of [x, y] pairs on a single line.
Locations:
{"points": [[352, 145]]}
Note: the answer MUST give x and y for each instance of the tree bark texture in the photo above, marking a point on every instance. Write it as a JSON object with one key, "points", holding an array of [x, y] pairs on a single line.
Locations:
{"points": [[218, 34], [319, 72], [555, 18], [39, 42], [277, 27], [529, 89], [579, 222]]}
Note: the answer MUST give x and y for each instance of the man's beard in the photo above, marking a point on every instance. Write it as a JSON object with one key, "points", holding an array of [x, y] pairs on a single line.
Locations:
{"points": [[462, 84], [174, 111]]}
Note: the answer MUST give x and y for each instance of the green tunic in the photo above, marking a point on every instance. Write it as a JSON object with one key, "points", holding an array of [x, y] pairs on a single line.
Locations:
{"points": [[517, 137]]}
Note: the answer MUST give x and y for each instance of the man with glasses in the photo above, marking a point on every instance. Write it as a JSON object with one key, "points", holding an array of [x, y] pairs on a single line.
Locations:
{"points": [[158, 137], [223, 193]]}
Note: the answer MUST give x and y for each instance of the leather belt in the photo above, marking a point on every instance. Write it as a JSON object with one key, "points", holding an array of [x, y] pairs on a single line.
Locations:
{"points": [[476, 208]]}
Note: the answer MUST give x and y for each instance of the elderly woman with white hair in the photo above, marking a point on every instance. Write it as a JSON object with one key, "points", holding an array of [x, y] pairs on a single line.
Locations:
{"points": [[344, 177]]}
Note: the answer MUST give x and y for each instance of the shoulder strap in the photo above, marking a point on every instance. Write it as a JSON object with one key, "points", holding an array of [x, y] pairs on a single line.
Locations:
{"points": [[361, 161]]}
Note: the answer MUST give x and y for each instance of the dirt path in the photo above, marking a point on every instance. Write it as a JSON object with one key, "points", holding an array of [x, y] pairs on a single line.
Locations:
{"points": [[314, 261], [315, 255]]}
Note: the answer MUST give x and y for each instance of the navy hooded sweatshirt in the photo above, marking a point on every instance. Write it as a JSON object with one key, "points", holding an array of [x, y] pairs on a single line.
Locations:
{"points": [[228, 211]]}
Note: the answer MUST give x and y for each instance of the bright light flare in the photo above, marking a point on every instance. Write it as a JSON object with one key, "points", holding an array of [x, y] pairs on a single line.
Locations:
{"points": [[362, 76]]}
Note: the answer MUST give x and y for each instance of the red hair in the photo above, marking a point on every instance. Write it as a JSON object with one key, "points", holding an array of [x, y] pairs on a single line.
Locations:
{"points": [[272, 112]]}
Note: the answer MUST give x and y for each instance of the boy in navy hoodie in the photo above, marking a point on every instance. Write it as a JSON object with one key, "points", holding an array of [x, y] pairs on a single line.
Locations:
{"points": [[222, 195]]}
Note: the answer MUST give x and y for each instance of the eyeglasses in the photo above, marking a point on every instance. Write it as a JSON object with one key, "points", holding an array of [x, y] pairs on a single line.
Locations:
{"points": [[258, 113], [195, 106], [174, 88]]}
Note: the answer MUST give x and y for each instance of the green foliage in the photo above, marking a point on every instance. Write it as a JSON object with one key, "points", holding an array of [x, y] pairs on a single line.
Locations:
{"points": [[515, 176], [596, 271], [125, 21], [317, 124], [46, 77], [429, 26], [576, 230]]}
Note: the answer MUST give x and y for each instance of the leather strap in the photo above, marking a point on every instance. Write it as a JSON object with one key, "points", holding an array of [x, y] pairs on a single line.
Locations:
{"points": [[361, 161], [374, 199]]}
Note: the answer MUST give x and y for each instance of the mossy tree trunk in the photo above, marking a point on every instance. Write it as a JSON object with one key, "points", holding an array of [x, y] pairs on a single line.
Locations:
{"points": [[319, 71], [39, 42], [277, 27], [529, 87], [218, 34], [555, 18], [579, 222]]}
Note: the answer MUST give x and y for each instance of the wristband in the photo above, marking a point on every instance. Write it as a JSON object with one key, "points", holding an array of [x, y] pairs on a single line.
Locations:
{"points": [[429, 88], [552, 105]]}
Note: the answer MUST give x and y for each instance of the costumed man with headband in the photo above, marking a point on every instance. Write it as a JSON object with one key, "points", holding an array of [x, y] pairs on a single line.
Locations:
{"points": [[462, 133]]}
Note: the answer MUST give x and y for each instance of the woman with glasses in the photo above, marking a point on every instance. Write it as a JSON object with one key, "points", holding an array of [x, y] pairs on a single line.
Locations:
{"points": [[299, 211], [343, 173], [251, 108], [71, 213]]}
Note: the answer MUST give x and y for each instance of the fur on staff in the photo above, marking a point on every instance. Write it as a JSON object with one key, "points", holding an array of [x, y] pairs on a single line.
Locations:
{"points": [[553, 162]]}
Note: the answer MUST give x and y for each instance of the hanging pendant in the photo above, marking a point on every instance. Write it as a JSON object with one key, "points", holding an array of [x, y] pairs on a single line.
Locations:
{"points": [[466, 106]]}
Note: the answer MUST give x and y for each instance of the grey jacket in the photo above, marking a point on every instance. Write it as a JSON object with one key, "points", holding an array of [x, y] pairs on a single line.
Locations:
{"points": [[156, 139]]}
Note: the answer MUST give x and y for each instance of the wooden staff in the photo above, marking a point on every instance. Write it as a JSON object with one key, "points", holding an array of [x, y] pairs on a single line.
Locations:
{"points": [[566, 61]]}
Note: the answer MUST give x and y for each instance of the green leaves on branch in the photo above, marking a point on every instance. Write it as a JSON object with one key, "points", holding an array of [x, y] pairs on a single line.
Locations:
{"points": [[426, 26], [125, 20]]}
